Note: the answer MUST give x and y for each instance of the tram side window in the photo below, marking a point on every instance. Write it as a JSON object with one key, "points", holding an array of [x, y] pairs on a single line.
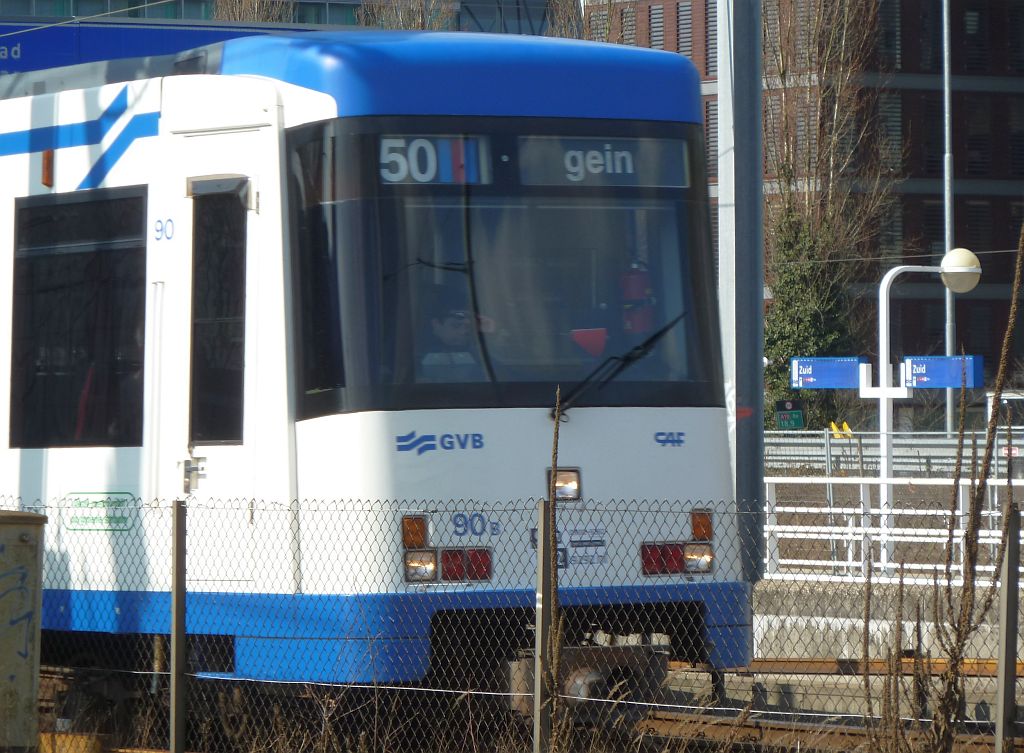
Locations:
{"points": [[78, 319], [218, 313]]}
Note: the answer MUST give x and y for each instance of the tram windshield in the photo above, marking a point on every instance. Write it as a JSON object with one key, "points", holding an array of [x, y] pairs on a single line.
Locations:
{"points": [[443, 262]]}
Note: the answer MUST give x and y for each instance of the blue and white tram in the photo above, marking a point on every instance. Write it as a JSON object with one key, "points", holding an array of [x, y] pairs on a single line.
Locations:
{"points": [[356, 266]]}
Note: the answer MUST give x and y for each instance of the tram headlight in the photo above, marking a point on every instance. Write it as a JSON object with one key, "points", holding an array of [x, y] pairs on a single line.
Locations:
{"points": [[698, 558], [421, 566], [568, 485]]}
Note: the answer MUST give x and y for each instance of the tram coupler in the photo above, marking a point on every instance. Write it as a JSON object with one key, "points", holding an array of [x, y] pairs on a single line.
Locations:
{"points": [[595, 682]]}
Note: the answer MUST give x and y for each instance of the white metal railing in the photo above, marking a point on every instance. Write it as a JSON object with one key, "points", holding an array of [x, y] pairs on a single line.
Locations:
{"points": [[917, 454], [834, 528]]}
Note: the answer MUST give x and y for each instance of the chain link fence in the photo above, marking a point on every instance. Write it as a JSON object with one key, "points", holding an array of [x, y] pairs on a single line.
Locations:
{"points": [[387, 626]]}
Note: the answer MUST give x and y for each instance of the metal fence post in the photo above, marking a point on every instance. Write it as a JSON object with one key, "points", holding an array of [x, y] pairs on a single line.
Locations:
{"points": [[178, 646], [1006, 678], [542, 633]]}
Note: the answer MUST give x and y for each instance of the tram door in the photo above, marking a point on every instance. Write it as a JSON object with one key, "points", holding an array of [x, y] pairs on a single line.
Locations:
{"points": [[220, 397]]}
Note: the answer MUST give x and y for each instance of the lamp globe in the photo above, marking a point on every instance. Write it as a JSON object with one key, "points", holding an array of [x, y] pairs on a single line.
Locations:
{"points": [[961, 270]]}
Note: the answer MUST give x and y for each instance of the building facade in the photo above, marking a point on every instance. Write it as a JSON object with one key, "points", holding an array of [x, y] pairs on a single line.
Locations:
{"points": [[500, 16]]}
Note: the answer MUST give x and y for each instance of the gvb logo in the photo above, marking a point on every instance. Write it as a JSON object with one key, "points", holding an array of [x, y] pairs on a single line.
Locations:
{"points": [[409, 442], [426, 442]]}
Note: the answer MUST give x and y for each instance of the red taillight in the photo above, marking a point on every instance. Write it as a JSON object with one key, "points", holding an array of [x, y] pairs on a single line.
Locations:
{"points": [[465, 564], [662, 559], [479, 564], [453, 564]]}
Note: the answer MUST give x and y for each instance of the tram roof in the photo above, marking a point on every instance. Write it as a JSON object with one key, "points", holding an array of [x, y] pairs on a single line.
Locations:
{"points": [[458, 73]]}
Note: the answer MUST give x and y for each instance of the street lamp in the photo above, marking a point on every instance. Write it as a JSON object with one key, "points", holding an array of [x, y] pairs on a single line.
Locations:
{"points": [[960, 271]]}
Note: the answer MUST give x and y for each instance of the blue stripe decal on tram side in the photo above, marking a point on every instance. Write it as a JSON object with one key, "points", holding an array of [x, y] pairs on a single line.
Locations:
{"points": [[64, 136], [86, 133], [139, 127]]}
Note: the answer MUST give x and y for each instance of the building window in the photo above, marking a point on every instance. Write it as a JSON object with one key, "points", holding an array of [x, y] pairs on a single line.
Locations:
{"points": [[656, 25], [711, 136], [979, 136], [976, 41], [197, 9], [934, 135], [627, 25], [890, 110], [930, 39], [1015, 36], [78, 319], [890, 236], [341, 15], [597, 25], [684, 27], [933, 225], [711, 38], [310, 13], [16, 7], [1016, 136], [978, 230], [890, 47]]}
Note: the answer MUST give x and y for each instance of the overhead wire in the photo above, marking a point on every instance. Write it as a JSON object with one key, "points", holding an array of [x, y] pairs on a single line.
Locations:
{"points": [[77, 19], [890, 257]]}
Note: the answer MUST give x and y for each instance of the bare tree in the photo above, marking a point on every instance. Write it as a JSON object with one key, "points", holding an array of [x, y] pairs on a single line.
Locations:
{"points": [[425, 15], [597, 20], [565, 19], [271, 11], [831, 168]]}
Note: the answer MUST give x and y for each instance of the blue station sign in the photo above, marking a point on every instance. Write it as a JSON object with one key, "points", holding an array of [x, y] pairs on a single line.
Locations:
{"points": [[942, 372], [825, 373]]}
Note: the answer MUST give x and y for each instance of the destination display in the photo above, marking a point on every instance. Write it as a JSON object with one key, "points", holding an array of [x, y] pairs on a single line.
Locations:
{"points": [[453, 160], [565, 161]]}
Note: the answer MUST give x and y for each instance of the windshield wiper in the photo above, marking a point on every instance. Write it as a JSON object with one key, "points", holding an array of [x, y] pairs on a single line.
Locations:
{"points": [[612, 366]]}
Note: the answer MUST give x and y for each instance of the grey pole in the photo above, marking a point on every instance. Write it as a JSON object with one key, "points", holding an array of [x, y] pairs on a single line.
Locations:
{"points": [[741, 262], [947, 193], [178, 647], [1006, 673]]}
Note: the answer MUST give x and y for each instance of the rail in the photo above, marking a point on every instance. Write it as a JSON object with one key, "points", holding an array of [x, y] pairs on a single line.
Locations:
{"points": [[830, 528]]}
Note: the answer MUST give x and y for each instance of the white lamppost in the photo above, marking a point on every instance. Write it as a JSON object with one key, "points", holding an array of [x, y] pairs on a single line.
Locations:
{"points": [[960, 271]]}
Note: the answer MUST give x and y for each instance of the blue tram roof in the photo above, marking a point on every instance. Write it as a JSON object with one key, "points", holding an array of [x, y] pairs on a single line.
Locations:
{"points": [[458, 73]]}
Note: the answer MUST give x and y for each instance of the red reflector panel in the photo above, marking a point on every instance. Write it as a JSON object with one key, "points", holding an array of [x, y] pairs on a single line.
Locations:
{"points": [[479, 564], [453, 564], [662, 559]]}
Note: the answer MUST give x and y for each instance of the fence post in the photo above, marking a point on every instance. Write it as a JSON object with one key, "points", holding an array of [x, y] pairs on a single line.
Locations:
{"points": [[1006, 677], [542, 632], [829, 497], [866, 542], [771, 553], [178, 646]]}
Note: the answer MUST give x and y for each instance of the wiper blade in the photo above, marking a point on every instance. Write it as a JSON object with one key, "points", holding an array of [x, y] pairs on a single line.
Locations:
{"points": [[612, 366]]}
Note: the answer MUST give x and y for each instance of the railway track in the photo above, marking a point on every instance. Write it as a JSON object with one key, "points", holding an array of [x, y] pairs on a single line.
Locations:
{"points": [[752, 732], [748, 728], [874, 668]]}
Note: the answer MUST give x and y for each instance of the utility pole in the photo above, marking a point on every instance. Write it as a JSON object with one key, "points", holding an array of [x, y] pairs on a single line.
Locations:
{"points": [[741, 262]]}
